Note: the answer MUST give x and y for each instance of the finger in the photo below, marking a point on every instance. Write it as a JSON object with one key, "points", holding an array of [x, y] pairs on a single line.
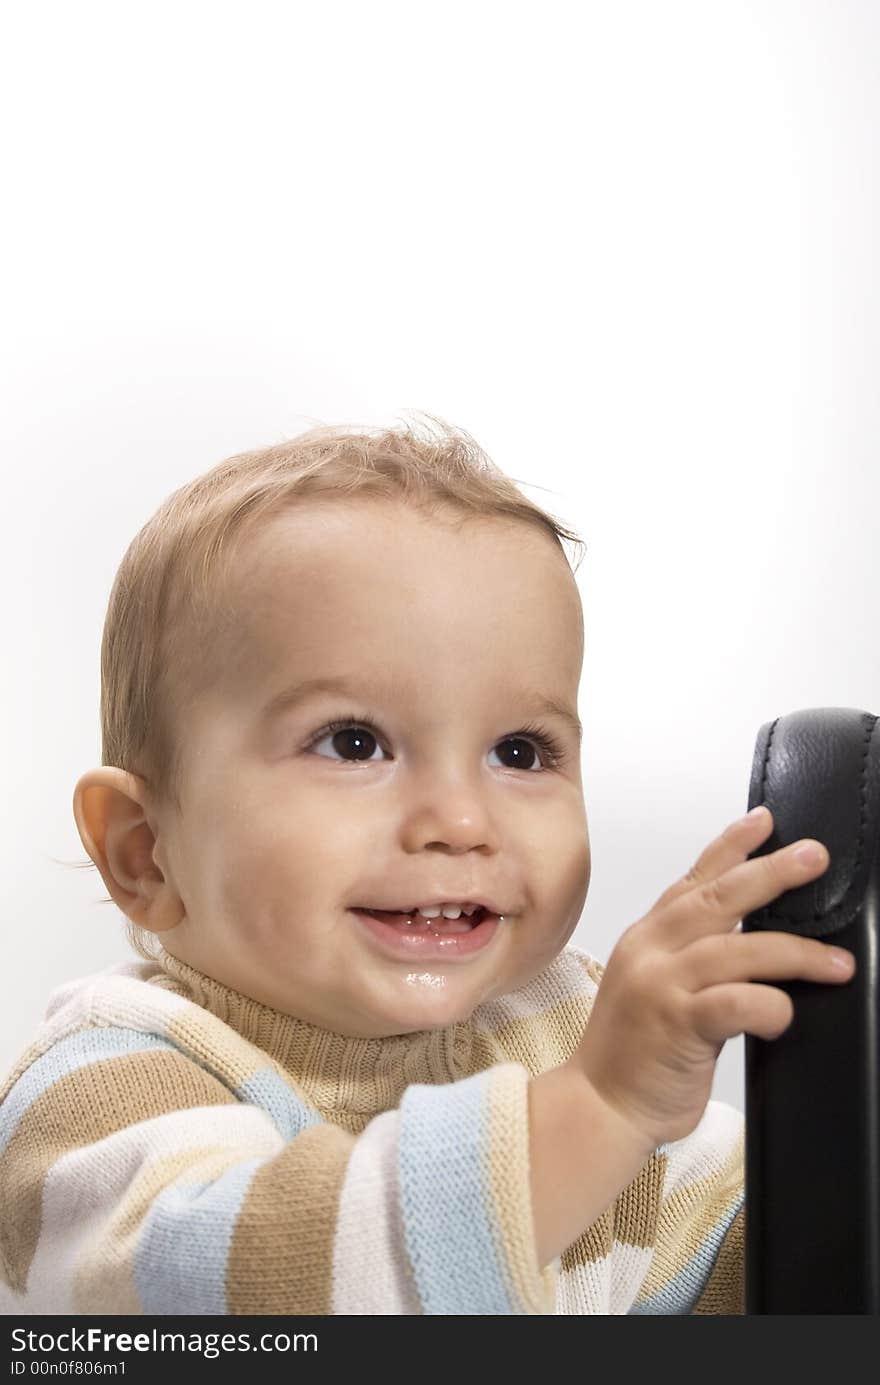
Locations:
{"points": [[719, 904], [721, 1012], [729, 957], [734, 844]]}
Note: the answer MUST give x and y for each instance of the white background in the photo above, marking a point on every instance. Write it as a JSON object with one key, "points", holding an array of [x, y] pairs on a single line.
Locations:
{"points": [[628, 246]]}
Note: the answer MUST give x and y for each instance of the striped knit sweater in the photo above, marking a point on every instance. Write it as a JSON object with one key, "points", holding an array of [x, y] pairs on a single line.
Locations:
{"points": [[169, 1146]]}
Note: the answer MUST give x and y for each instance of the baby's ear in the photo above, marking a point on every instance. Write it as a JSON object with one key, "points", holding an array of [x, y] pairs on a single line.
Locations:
{"points": [[109, 808]]}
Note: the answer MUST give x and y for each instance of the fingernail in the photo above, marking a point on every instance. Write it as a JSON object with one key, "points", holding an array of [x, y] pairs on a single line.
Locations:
{"points": [[758, 812], [810, 854], [844, 961]]}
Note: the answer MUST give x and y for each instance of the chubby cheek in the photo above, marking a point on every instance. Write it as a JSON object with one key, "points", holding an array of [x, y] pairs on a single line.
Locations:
{"points": [[285, 872], [560, 894], [541, 938]]}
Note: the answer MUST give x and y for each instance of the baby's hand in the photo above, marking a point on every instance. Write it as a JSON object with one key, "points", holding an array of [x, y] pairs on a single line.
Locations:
{"points": [[677, 984]]}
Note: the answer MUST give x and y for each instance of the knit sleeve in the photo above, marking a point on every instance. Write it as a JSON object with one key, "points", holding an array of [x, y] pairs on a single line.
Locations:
{"points": [[697, 1266], [133, 1180]]}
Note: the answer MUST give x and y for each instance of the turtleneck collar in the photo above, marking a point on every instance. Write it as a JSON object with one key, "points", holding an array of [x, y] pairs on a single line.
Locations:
{"points": [[339, 1073]]}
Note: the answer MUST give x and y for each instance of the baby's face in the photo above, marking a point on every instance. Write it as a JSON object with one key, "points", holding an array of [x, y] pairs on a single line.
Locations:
{"points": [[448, 642]]}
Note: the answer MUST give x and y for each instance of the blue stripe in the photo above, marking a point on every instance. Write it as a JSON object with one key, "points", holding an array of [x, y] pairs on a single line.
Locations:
{"points": [[681, 1293], [454, 1243], [183, 1249], [76, 1051], [274, 1096], [265, 1088]]}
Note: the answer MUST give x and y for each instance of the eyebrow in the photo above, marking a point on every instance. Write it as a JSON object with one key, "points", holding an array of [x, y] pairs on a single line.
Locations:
{"points": [[300, 692]]}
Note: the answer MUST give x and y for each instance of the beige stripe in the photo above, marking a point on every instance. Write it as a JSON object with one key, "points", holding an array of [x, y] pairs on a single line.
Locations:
{"points": [[631, 1218], [725, 1290], [594, 1244], [78, 1109], [509, 1189], [688, 1217], [209, 1040], [281, 1256], [540, 1042], [637, 1208]]}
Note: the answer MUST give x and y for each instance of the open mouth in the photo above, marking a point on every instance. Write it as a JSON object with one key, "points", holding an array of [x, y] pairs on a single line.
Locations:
{"points": [[414, 922], [414, 939]]}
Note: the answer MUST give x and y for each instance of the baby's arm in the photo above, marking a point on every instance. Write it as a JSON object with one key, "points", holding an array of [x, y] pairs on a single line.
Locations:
{"points": [[134, 1181]]}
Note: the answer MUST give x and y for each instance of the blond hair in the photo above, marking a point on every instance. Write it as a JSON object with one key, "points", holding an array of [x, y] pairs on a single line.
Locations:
{"points": [[166, 600]]}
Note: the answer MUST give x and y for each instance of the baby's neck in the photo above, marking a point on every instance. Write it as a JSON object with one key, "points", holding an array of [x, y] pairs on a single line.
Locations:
{"points": [[347, 1080]]}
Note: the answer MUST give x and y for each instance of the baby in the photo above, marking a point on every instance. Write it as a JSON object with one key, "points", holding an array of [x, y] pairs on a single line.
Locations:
{"points": [[357, 1068]]}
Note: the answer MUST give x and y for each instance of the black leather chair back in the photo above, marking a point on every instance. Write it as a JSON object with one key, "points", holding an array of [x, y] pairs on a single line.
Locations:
{"points": [[812, 1157]]}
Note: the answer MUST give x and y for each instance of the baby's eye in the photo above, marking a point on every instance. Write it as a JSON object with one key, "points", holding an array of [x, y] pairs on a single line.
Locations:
{"points": [[357, 742], [346, 737], [521, 752]]}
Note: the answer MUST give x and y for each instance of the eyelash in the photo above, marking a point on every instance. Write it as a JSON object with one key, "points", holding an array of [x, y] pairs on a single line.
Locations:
{"points": [[552, 748]]}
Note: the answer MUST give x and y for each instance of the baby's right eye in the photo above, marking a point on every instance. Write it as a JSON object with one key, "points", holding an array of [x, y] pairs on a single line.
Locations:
{"points": [[345, 736]]}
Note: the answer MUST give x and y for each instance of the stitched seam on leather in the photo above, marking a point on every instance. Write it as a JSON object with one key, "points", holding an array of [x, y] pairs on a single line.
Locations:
{"points": [[770, 911], [763, 798]]}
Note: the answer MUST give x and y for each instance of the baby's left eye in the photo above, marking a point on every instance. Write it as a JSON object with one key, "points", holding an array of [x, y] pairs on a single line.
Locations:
{"points": [[522, 752]]}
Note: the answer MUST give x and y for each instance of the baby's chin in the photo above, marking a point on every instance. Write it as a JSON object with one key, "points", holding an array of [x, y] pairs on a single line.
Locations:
{"points": [[429, 1001]]}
